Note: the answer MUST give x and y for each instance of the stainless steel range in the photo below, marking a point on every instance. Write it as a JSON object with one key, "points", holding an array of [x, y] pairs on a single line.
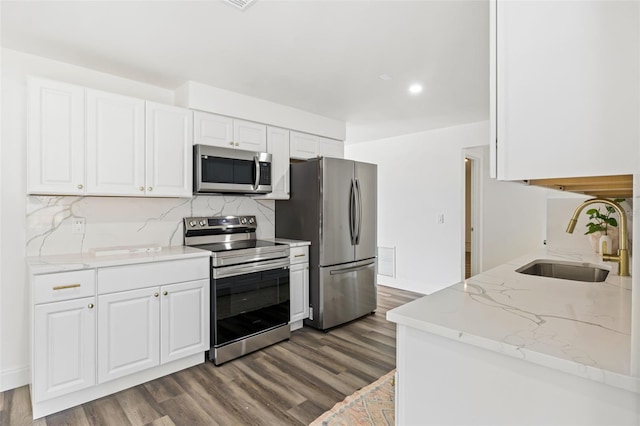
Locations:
{"points": [[249, 285]]}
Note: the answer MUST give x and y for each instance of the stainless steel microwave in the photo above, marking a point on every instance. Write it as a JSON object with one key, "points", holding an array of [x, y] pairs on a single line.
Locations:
{"points": [[217, 169]]}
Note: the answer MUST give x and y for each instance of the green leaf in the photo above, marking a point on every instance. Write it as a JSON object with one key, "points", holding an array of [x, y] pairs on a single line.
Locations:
{"points": [[612, 221], [592, 211]]}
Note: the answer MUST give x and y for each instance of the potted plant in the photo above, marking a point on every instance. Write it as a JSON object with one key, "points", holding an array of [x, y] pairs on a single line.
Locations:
{"points": [[603, 228]]}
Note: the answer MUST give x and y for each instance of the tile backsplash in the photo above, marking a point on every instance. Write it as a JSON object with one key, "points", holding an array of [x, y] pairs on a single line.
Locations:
{"points": [[126, 221]]}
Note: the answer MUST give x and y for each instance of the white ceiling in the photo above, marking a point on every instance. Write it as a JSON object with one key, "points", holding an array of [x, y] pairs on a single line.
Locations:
{"points": [[321, 56]]}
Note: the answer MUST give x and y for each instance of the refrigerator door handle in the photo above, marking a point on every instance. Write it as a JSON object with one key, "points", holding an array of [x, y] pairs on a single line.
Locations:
{"points": [[359, 212], [352, 207], [350, 269]]}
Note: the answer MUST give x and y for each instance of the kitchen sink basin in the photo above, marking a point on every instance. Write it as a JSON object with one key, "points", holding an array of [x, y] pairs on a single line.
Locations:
{"points": [[565, 270]]}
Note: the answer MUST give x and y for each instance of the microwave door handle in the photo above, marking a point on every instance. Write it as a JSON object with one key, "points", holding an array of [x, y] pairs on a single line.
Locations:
{"points": [[257, 164]]}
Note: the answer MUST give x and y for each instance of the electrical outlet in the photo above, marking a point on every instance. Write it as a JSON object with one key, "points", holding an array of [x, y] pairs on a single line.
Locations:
{"points": [[77, 225], [440, 218]]}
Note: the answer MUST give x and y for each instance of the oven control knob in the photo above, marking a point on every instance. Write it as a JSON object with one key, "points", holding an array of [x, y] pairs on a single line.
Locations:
{"points": [[192, 223], [202, 223], [251, 221], [243, 220]]}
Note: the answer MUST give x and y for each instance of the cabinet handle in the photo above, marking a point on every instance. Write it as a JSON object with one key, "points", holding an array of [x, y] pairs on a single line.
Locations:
{"points": [[80, 186], [150, 188], [90, 306], [64, 287], [231, 143], [237, 144], [165, 293], [141, 188], [300, 255], [156, 294]]}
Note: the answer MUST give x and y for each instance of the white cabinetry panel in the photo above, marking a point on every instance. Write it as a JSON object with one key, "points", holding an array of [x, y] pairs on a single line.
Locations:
{"points": [[278, 147], [212, 129], [567, 88], [249, 136], [169, 159], [55, 138], [64, 347], [184, 314], [330, 148], [304, 146], [128, 332], [115, 144]]}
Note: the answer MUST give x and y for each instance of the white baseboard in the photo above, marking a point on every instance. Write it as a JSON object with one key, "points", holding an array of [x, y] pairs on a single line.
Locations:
{"points": [[14, 378]]}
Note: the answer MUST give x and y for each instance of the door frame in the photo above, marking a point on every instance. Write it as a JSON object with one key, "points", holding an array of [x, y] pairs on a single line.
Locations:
{"points": [[477, 166]]}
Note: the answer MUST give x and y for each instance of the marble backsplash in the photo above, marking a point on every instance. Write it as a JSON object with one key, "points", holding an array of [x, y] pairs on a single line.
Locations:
{"points": [[126, 221]]}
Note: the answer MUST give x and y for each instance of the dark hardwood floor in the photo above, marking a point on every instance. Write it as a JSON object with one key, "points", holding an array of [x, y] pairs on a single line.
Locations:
{"points": [[290, 383]]}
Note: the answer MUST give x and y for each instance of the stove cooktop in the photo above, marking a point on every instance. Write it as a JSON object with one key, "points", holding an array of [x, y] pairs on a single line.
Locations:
{"points": [[239, 245]]}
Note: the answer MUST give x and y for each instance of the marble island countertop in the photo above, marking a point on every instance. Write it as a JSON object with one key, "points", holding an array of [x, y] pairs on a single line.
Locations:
{"points": [[577, 327], [115, 257]]}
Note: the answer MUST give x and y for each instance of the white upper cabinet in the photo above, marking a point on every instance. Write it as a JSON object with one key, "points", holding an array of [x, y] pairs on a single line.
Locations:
{"points": [[565, 88], [169, 159], [304, 146], [115, 144], [226, 132], [55, 138], [250, 136], [212, 129], [330, 148], [278, 147]]}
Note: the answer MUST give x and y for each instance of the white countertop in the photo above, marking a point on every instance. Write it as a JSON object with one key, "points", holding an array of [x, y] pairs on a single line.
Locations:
{"points": [[576, 327], [71, 262], [292, 243]]}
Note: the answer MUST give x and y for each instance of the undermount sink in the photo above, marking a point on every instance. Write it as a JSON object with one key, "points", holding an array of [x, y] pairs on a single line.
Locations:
{"points": [[565, 270]]}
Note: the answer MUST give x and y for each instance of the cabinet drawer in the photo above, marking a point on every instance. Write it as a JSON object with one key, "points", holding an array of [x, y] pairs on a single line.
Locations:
{"points": [[130, 277], [299, 254], [63, 286]]}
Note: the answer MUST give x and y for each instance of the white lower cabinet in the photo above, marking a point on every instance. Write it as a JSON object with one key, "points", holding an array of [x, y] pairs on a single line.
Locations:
{"points": [[128, 332], [64, 347], [299, 285], [102, 330], [184, 312]]}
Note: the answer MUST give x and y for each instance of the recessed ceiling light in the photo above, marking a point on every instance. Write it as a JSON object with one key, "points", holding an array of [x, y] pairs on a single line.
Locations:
{"points": [[415, 89], [240, 4]]}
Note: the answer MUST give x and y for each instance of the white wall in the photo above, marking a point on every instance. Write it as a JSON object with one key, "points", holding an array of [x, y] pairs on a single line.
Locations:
{"points": [[41, 225], [420, 176]]}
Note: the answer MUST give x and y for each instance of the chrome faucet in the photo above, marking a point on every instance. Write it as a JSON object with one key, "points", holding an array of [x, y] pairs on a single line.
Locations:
{"points": [[623, 252]]}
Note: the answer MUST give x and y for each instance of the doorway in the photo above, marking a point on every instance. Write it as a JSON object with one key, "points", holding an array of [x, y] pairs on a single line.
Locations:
{"points": [[472, 199]]}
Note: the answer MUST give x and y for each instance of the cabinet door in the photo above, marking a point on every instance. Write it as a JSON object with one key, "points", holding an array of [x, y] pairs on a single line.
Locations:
{"points": [[128, 332], [212, 129], [55, 138], [567, 88], [250, 136], [169, 159], [303, 146], [278, 147], [299, 291], [115, 144], [184, 320], [330, 148], [64, 347]]}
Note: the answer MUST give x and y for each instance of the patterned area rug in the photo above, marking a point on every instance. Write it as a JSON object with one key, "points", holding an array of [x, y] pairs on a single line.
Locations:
{"points": [[372, 405]]}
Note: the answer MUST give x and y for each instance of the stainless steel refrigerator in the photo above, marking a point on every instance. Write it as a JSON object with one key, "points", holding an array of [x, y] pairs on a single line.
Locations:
{"points": [[333, 204]]}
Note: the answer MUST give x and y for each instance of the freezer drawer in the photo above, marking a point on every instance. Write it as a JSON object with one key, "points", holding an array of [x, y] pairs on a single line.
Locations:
{"points": [[347, 292]]}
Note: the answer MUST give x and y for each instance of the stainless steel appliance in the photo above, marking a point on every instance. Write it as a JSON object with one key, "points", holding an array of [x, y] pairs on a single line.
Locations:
{"points": [[218, 169], [249, 285], [333, 204]]}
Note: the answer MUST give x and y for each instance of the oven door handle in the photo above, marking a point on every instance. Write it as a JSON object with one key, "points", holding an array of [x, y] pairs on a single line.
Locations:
{"points": [[256, 161], [247, 268]]}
